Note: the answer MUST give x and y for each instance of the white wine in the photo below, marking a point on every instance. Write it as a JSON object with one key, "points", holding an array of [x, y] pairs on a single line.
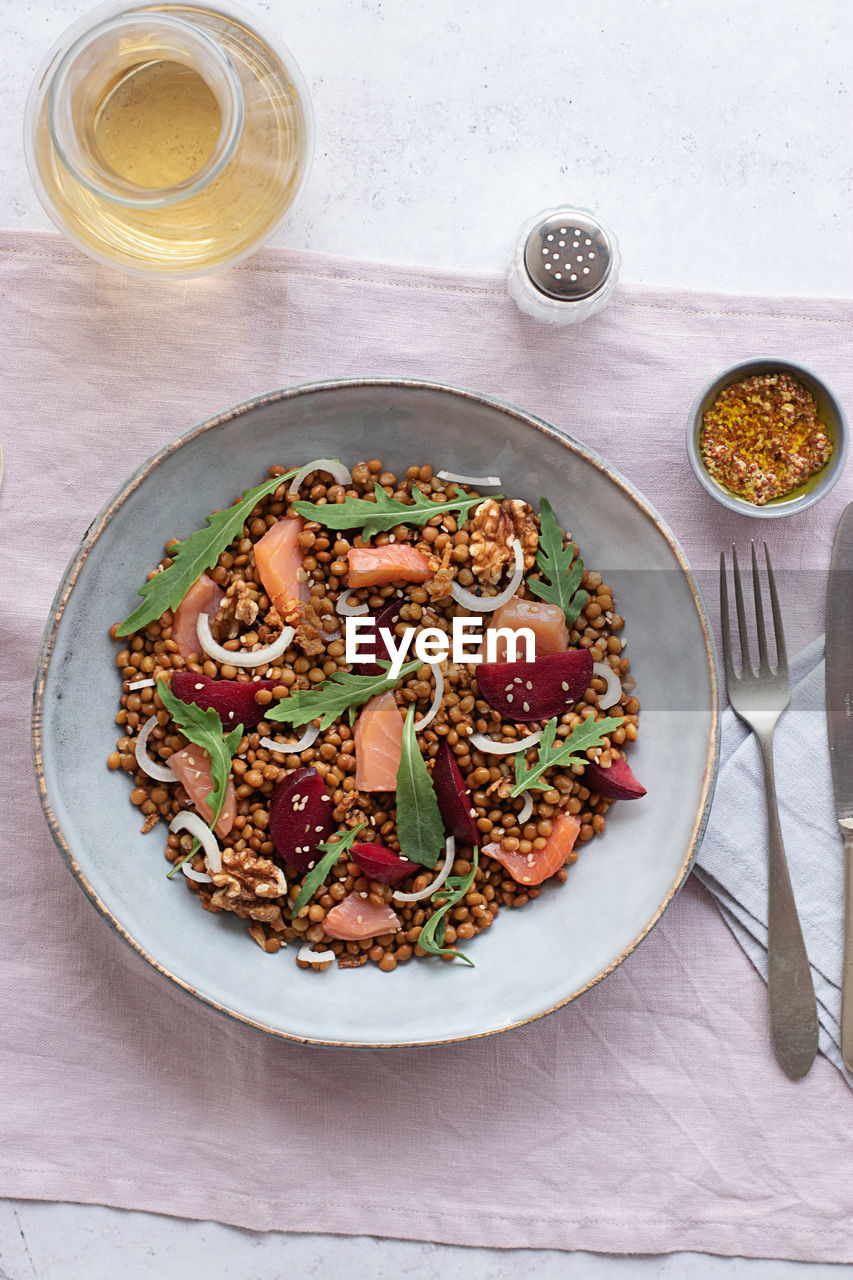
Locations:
{"points": [[169, 139], [158, 124]]}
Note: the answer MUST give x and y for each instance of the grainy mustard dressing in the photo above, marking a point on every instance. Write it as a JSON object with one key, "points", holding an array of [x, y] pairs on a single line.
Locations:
{"points": [[762, 437]]}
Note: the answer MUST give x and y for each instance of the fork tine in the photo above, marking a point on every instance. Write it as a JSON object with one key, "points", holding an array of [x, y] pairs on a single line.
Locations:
{"points": [[763, 662], [746, 661], [725, 628], [781, 654]]}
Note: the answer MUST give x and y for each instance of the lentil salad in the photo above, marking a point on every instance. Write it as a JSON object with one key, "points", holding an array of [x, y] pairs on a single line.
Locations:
{"points": [[518, 833]]}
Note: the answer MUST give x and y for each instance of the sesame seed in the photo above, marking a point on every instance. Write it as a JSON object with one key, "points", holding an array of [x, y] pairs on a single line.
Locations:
{"points": [[529, 684], [526, 706], [565, 687]]}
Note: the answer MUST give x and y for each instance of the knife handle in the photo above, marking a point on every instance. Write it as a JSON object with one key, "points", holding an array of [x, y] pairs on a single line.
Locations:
{"points": [[793, 1008], [847, 971]]}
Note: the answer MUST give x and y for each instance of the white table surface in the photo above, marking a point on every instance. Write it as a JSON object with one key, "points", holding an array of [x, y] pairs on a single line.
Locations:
{"points": [[715, 139]]}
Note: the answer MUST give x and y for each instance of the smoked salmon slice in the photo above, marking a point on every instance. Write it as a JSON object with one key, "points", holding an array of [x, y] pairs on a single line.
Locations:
{"points": [[358, 917], [278, 560], [378, 744], [546, 621], [395, 562], [533, 868], [191, 766], [203, 597]]}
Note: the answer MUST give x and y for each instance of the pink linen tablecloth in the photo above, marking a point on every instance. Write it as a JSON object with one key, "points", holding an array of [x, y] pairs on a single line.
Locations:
{"points": [[648, 1116]]}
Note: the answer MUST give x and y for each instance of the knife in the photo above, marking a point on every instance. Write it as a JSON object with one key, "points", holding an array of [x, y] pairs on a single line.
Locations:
{"points": [[839, 724]]}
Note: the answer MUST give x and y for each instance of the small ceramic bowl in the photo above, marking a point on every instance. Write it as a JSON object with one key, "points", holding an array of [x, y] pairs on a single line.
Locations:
{"points": [[829, 410]]}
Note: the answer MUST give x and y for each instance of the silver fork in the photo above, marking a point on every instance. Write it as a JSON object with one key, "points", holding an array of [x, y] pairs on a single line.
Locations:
{"points": [[759, 698]]}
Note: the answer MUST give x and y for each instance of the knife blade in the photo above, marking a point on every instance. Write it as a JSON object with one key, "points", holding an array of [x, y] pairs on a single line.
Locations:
{"points": [[839, 727], [839, 665]]}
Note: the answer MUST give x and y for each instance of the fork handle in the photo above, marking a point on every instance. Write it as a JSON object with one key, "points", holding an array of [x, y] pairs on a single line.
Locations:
{"points": [[793, 1009]]}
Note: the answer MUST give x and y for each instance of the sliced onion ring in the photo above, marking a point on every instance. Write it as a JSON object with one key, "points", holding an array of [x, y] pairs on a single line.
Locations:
{"points": [[526, 811], [347, 610], [488, 604], [613, 693], [307, 740], [257, 657], [450, 854], [314, 957], [200, 877], [481, 743], [192, 822], [430, 714], [332, 466], [160, 772], [479, 482]]}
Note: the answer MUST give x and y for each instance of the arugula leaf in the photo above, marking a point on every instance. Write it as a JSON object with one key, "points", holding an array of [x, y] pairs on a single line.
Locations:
{"points": [[331, 698], [420, 829], [317, 875], [204, 729], [563, 585], [453, 890], [385, 512], [190, 558], [589, 733]]}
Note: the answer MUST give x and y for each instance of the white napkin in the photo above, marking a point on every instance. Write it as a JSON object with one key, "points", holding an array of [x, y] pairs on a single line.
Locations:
{"points": [[732, 862]]}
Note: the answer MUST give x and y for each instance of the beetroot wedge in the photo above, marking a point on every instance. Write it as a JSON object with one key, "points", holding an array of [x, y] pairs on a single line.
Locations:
{"points": [[300, 817], [386, 617], [232, 700], [379, 863], [536, 690], [617, 782], [454, 798]]}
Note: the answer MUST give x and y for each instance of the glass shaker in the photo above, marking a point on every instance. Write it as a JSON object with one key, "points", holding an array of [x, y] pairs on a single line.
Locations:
{"points": [[564, 266]]}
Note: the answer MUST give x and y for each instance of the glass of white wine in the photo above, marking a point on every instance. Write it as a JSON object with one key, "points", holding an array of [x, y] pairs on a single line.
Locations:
{"points": [[168, 139]]}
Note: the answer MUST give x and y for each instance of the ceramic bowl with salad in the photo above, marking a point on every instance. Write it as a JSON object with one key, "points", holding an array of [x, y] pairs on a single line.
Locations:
{"points": [[267, 811]]}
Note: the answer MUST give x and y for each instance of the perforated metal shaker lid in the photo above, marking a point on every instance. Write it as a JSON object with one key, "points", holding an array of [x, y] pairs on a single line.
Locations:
{"points": [[568, 256]]}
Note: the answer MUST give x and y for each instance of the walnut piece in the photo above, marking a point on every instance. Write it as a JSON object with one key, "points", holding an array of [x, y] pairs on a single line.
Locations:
{"points": [[494, 525], [238, 608], [438, 586], [245, 885], [310, 635]]}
